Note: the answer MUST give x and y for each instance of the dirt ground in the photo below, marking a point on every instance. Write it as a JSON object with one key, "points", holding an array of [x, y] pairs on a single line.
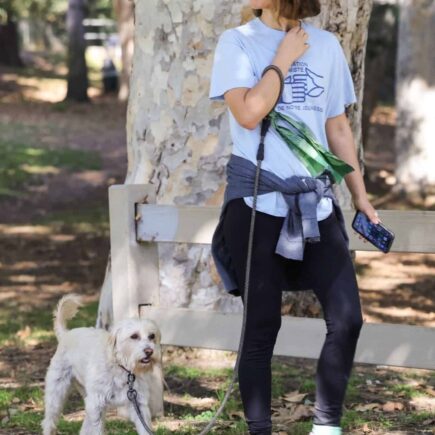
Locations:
{"points": [[42, 256]]}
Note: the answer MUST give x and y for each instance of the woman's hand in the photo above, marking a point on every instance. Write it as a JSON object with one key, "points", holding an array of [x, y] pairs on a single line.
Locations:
{"points": [[292, 46], [362, 203]]}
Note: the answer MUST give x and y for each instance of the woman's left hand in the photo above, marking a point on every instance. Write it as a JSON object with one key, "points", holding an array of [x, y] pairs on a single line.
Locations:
{"points": [[363, 204]]}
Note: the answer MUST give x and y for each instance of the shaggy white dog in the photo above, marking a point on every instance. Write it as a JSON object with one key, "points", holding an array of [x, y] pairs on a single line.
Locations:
{"points": [[97, 362]]}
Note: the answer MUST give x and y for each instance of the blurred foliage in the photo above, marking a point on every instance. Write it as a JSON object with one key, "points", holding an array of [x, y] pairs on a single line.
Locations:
{"points": [[49, 10]]}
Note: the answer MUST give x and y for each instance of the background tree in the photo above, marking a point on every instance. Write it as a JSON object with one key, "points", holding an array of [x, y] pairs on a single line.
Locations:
{"points": [[179, 141], [45, 16], [77, 69], [380, 62], [415, 97], [9, 41]]}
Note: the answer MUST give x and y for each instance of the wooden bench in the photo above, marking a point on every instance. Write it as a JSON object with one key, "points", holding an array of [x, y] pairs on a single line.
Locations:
{"points": [[136, 224]]}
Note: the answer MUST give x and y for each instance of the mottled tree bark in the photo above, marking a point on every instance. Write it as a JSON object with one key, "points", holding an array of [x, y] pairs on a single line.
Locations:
{"points": [[179, 141], [416, 96], [77, 69]]}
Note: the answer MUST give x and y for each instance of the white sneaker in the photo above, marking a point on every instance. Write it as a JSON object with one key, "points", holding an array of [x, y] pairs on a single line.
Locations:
{"points": [[325, 430]]}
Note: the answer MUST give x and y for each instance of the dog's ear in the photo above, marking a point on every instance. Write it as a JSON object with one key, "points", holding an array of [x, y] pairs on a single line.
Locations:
{"points": [[113, 332], [159, 335]]}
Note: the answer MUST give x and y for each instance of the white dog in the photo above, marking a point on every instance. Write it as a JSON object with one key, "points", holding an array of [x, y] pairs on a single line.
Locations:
{"points": [[97, 362]]}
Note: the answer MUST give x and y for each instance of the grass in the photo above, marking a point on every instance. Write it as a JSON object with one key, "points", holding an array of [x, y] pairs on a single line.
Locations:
{"points": [[9, 396], [40, 321], [352, 420], [189, 373], [353, 389], [90, 219], [23, 164], [406, 391], [31, 421], [307, 386]]}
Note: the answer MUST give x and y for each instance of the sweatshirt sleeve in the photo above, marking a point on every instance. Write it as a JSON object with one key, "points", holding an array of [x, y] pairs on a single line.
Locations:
{"points": [[341, 92], [232, 67]]}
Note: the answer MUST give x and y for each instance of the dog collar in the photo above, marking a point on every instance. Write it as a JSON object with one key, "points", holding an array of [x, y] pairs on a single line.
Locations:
{"points": [[131, 393], [132, 396], [120, 365], [130, 377]]}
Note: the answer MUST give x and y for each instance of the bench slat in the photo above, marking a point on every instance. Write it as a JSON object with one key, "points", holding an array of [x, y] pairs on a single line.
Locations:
{"points": [[414, 229], [379, 343]]}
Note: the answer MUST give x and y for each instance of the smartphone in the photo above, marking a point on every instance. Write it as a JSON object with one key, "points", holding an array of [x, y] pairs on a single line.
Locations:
{"points": [[377, 234]]}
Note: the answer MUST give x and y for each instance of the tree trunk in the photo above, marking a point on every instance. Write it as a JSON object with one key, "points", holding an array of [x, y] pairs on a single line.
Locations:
{"points": [[9, 46], [415, 97], [179, 141], [380, 62], [77, 68], [124, 10]]}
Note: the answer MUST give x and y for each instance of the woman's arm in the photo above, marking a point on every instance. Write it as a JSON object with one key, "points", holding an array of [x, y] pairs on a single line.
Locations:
{"points": [[342, 144], [250, 105]]}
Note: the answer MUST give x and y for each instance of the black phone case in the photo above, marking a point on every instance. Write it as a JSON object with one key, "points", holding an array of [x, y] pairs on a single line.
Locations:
{"points": [[383, 238]]}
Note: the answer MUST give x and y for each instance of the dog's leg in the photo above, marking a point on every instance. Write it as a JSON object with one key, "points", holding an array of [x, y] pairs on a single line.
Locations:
{"points": [[93, 423], [146, 414], [57, 387]]}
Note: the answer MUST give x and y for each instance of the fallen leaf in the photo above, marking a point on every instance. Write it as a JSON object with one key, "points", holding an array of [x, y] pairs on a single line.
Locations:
{"points": [[239, 414], [24, 333], [392, 406], [367, 407], [282, 414], [366, 428], [300, 412], [429, 422], [294, 397]]}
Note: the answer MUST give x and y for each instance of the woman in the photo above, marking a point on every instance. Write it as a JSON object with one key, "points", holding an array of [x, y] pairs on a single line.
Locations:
{"points": [[317, 88]]}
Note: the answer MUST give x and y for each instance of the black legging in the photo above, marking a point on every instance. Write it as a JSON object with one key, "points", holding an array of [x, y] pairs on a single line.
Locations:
{"points": [[329, 266]]}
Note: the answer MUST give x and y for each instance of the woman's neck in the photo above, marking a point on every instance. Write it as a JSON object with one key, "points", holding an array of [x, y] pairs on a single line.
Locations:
{"points": [[284, 24]]}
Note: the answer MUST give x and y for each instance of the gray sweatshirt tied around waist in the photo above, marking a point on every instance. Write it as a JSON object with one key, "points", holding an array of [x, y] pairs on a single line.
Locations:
{"points": [[301, 193]]}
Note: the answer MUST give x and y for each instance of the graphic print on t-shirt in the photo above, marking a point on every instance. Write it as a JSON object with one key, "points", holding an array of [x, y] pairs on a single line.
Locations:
{"points": [[302, 86], [318, 86]]}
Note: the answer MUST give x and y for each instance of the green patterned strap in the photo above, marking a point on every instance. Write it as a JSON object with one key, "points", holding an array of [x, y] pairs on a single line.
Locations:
{"points": [[301, 140]]}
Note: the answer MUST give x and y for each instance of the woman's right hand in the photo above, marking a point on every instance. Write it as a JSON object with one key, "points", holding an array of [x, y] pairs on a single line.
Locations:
{"points": [[292, 46]]}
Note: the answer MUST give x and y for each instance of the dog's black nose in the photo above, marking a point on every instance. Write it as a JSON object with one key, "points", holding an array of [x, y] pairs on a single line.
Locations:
{"points": [[148, 352]]}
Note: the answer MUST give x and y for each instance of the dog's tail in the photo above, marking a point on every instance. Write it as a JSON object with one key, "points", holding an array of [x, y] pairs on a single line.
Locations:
{"points": [[66, 309]]}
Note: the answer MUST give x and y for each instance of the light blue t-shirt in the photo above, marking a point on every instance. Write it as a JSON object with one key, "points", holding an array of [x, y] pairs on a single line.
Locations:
{"points": [[318, 86]]}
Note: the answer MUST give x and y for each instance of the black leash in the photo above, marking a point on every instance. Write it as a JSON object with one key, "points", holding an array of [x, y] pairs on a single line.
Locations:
{"points": [[260, 155], [132, 396], [132, 393]]}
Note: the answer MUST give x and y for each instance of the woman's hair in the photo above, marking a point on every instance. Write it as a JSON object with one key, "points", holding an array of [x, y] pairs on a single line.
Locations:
{"points": [[293, 9]]}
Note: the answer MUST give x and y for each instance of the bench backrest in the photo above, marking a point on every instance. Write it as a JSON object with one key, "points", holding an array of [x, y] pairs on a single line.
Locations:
{"points": [[137, 224]]}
